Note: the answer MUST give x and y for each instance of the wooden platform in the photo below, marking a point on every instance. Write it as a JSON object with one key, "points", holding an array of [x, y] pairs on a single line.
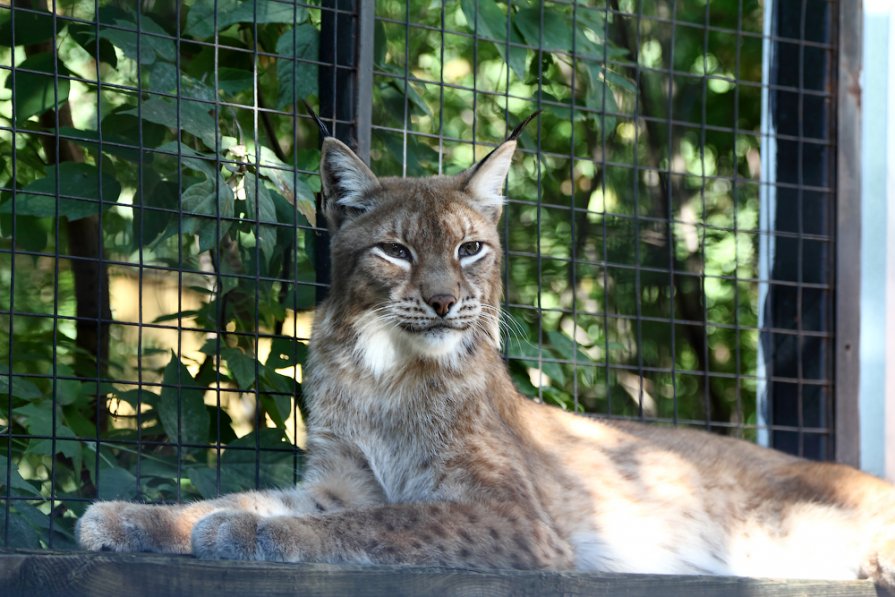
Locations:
{"points": [[31, 574]]}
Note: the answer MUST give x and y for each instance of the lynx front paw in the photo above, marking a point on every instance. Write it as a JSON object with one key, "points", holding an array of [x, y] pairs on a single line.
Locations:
{"points": [[240, 535], [227, 535], [121, 526]]}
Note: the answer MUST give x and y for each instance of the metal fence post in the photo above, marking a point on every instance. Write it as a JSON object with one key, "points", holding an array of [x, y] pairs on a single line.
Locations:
{"points": [[345, 80]]}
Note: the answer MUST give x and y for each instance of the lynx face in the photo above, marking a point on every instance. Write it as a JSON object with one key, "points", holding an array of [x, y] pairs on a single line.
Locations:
{"points": [[417, 261]]}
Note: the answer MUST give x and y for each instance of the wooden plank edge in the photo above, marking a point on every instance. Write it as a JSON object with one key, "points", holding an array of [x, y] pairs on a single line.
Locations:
{"points": [[151, 575]]}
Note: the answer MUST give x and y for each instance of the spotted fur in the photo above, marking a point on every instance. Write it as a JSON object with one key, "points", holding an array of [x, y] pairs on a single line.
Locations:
{"points": [[422, 452]]}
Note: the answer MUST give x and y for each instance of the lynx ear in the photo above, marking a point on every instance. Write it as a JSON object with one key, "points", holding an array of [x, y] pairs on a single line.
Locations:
{"points": [[346, 181], [485, 180]]}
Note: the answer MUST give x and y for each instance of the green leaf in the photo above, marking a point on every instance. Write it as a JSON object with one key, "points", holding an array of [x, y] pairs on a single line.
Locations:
{"points": [[149, 224], [136, 397], [620, 81], [85, 36], [21, 388], [127, 42], [194, 117], [566, 348], [75, 180], [286, 352], [297, 79], [38, 419], [115, 484], [554, 34], [274, 459], [236, 80], [596, 90], [290, 186], [36, 93], [266, 11], [278, 407], [241, 365], [118, 132], [564, 400], [266, 210], [31, 27], [163, 77], [200, 21], [535, 358], [521, 380], [192, 159], [413, 96], [492, 22], [17, 481], [21, 533], [157, 45], [31, 233], [266, 236], [182, 409], [207, 199], [205, 480]]}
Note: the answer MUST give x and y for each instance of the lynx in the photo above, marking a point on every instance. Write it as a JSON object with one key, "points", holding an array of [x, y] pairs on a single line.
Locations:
{"points": [[422, 452]]}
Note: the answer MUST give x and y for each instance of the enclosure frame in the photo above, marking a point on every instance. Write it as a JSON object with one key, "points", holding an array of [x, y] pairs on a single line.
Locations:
{"points": [[848, 233]]}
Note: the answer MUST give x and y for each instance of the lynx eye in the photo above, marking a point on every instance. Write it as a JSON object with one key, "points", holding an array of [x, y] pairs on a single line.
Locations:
{"points": [[396, 251], [469, 249]]}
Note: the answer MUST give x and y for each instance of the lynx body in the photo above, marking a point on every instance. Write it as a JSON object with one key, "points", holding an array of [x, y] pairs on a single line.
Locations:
{"points": [[422, 452]]}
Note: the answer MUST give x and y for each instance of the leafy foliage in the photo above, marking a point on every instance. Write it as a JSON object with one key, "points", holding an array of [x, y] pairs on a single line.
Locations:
{"points": [[199, 175]]}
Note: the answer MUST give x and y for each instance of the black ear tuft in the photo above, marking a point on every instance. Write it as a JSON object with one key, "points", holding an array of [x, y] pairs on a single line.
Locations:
{"points": [[324, 132], [513, 136], [521, 126]]}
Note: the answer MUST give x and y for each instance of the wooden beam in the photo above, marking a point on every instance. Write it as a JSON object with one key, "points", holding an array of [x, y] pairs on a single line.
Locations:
{"points": [[151, 575], [848, 234]]}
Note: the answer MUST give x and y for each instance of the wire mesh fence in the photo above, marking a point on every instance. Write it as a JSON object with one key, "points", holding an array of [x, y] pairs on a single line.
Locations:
{"points": [[668, 233]]}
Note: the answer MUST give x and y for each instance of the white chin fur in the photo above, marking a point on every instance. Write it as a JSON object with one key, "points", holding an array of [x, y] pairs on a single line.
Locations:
{"points": [[383, 348]]}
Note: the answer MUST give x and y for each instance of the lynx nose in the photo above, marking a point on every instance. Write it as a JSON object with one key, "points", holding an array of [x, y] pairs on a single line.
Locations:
{"points": [[442, 303]]}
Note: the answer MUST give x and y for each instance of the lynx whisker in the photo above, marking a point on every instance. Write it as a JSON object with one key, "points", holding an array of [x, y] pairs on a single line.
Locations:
{"points": [[509, 327]]}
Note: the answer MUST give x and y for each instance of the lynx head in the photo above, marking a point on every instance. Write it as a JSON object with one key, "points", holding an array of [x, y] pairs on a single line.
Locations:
{"points": [[415, 261]]}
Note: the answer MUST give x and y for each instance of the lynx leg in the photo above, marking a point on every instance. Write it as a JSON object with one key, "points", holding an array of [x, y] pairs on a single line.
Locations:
{"points": [[445, 534], [122, 526]]}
